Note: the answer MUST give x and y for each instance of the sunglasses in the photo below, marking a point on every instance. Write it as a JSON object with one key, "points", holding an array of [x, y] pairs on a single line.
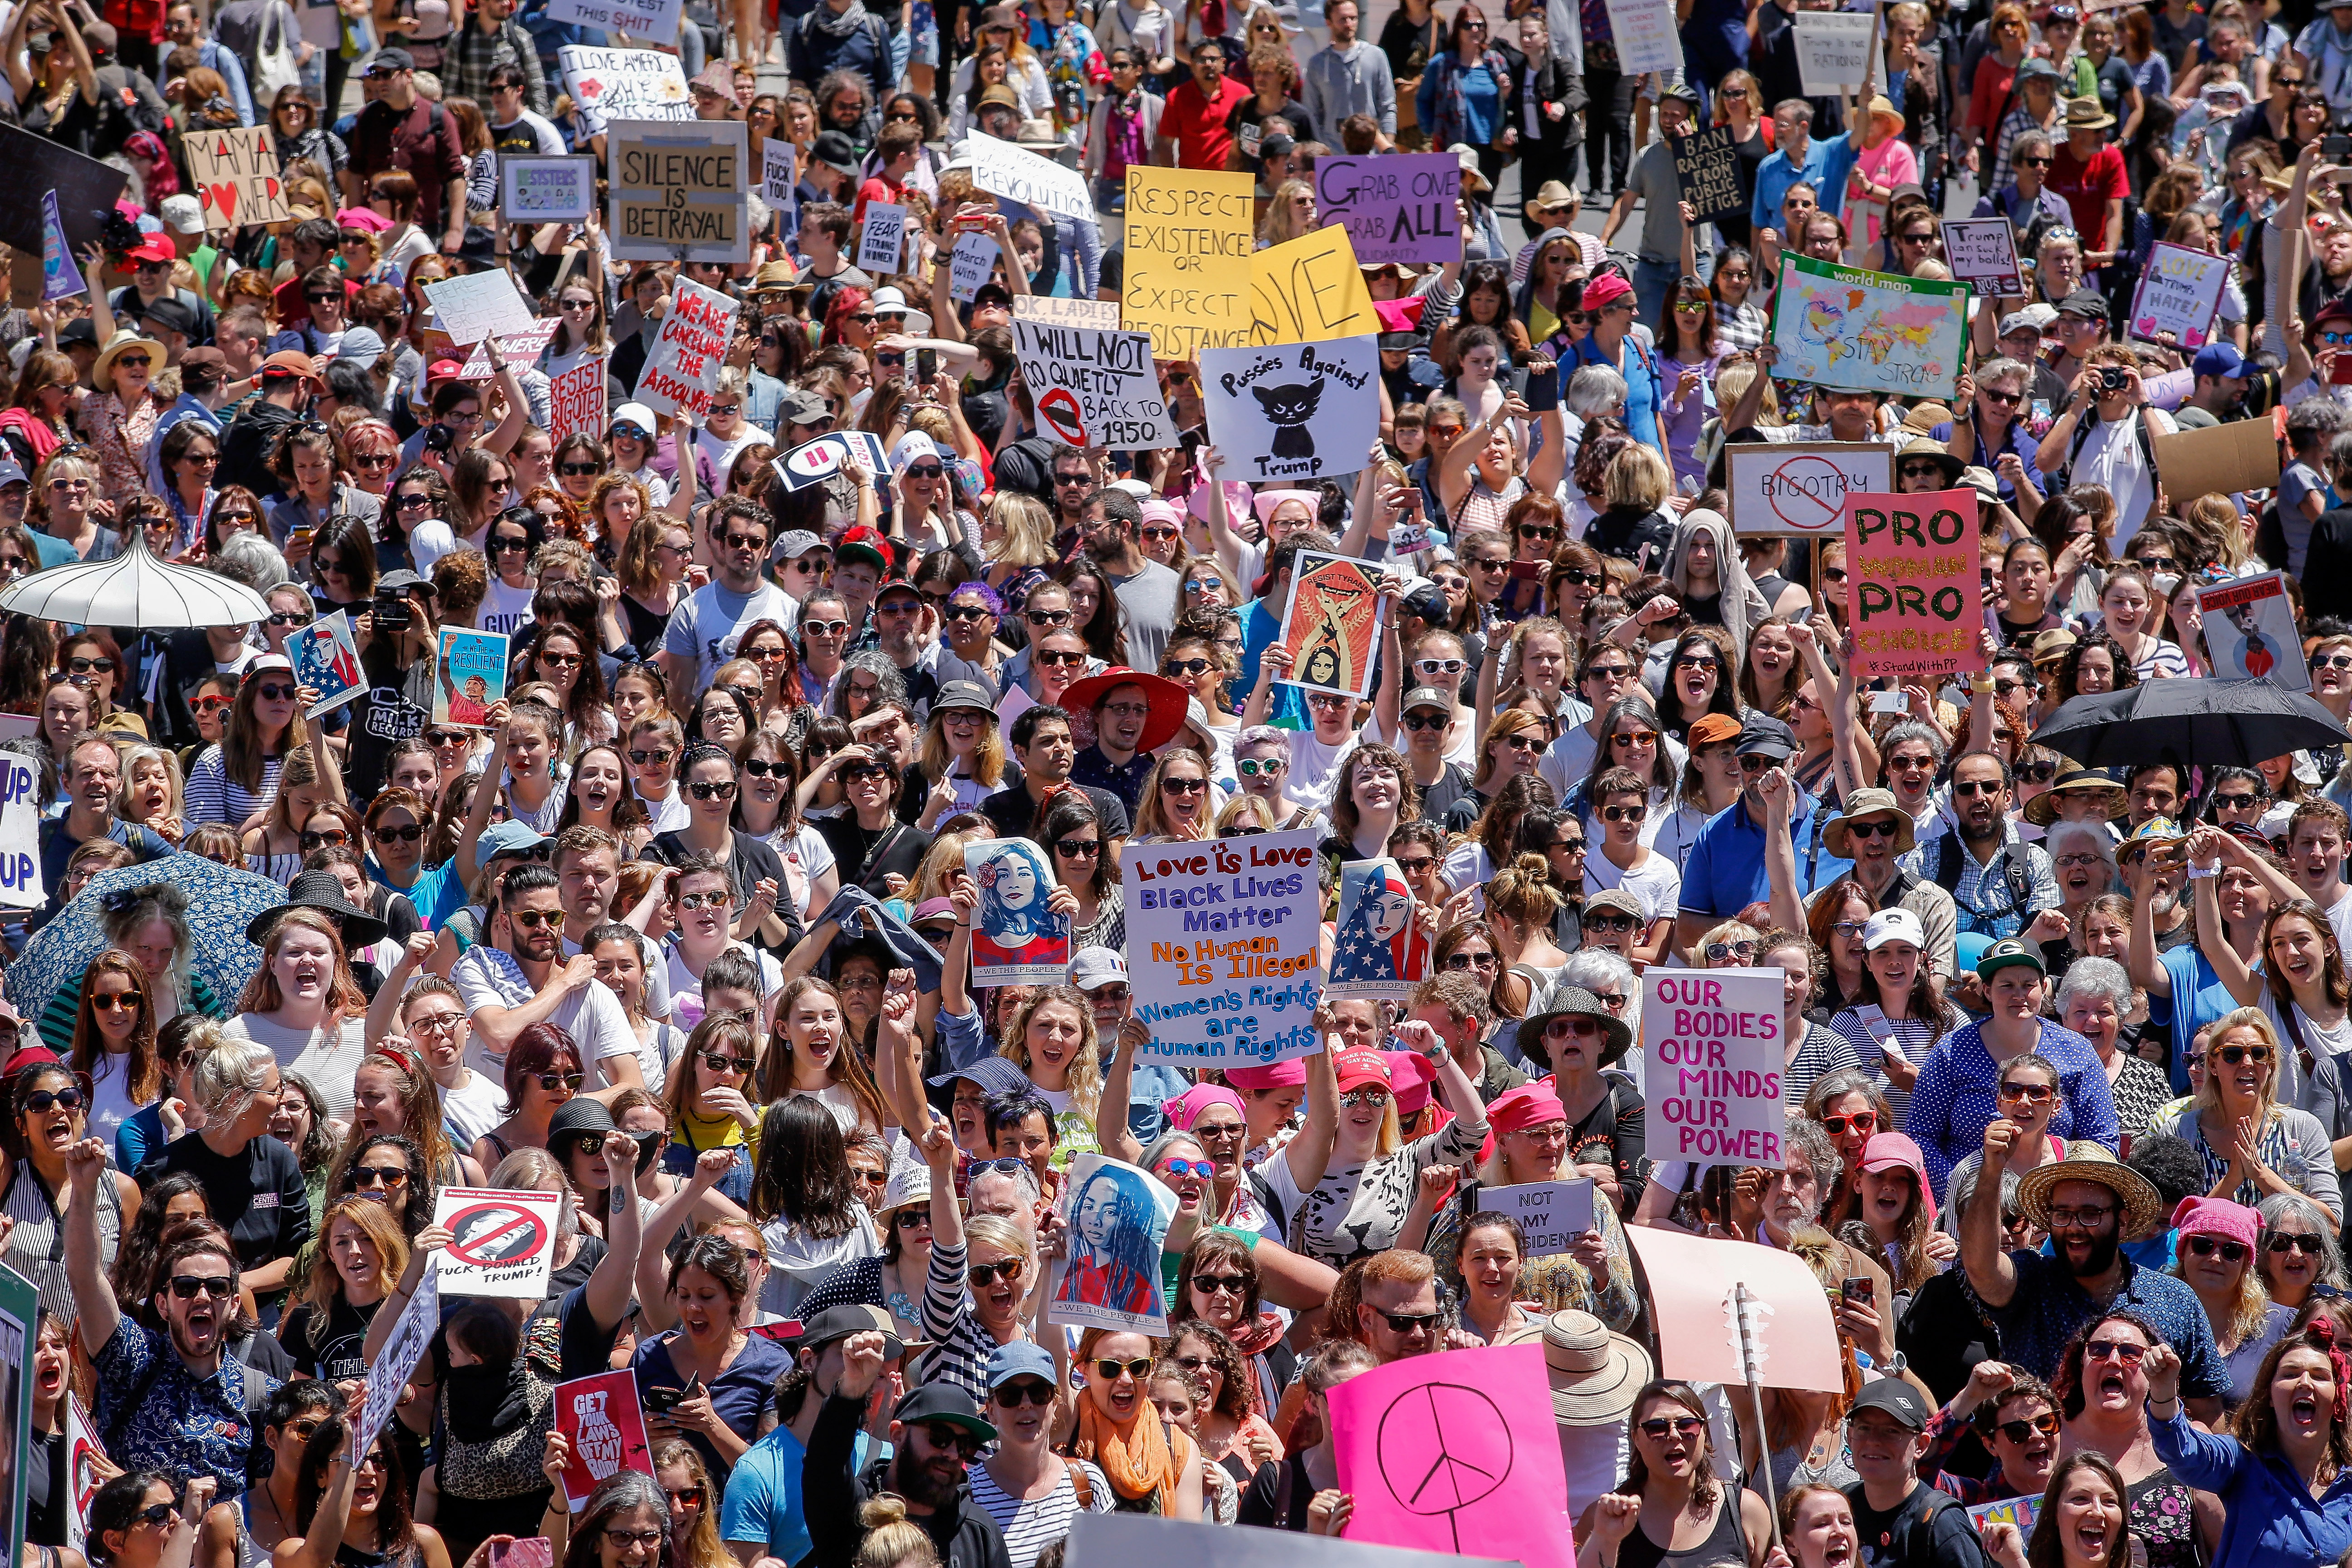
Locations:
{"points": [[408, 835], [379, 1176], [2028, 1093], [1660, 1426], [1222, 1284], [2207, 1245], [2115, 1350], [2282, 1241], [188, 1286], [44, 1099], [2022, 1432], [551, 1081], [1409, 1322], [718, 1061], [1077, 849], [718, 789], [1112, 1371], [652, 759], [1860, 1121], [1009, 1270], [2234, 1055], [115, 1002]]}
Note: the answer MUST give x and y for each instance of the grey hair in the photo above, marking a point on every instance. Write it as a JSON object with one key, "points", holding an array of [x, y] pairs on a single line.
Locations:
{"points": [[1595, 389], [1024, 1178], [2096, 977], [2094, 833], [1161, 1144], [889, 685], [1964, 1185], [230, 1075], [526, 1171], [252, 561], [2294, 1205], [1913, 730], [1264, 735], [2001, 368], [163, 901], [1594, 967], [1809, 1138], [2028, 141]]}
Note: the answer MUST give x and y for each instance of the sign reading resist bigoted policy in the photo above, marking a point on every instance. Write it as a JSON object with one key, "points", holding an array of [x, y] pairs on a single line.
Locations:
{"points": [[1713, 1038], [1916, 593], [1224, 948], [1400, 208], [1706, 167], [1093, 388], [679, 191]]}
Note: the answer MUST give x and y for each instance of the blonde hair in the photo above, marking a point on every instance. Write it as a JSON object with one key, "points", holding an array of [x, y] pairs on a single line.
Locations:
{"points": [[892, 1540], [1028, 532], [1086, 1070], [376, 1223], [2266, 1099], [130, 760], [1637, 477], [1731, 383]]}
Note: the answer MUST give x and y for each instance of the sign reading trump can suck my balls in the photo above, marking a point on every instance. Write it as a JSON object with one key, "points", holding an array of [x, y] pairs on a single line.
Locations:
{"points": [[1715, 1042], [1224, 948]]}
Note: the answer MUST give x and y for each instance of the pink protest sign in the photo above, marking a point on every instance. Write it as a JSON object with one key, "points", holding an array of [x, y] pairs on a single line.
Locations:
{"points": [[1456, 1453], [1691, 1284], [576, 401], [602, 1419]]}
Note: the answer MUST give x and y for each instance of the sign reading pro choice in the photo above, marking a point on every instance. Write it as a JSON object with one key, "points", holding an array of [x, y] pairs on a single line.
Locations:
{"points": [[1917, 597], [1224, 948], [1715, 1046]]}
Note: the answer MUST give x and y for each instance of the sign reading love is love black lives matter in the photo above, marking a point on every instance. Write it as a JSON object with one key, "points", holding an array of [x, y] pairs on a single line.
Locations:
{"points": [[1293, 410], [1224, 948], [679, 190]]}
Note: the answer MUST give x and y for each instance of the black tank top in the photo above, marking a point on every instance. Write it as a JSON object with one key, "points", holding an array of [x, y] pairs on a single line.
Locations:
{"points": [[1726, 1543]]}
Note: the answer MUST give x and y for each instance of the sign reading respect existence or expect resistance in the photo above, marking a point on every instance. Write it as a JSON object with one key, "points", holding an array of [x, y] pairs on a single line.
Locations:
{"points": [[1188, 259], [1915, 594], [1714, 1042], [1224, 948], [679, 191]]}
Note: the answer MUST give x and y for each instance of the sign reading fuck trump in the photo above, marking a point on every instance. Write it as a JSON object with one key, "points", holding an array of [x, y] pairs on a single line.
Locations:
{"points": [[1224, 948]]}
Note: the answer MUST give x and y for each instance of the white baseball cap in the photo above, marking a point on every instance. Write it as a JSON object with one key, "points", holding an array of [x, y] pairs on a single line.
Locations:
{"points": [[1098, 966], [1897, 924]]}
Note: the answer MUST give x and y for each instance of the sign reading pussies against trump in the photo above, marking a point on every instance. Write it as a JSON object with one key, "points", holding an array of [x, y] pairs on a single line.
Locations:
{"points": [[1293, 410], [1224, 948]]}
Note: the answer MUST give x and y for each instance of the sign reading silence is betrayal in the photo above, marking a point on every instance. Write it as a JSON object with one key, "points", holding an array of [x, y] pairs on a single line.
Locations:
{"points": [[1917, 598], [680, 191]]}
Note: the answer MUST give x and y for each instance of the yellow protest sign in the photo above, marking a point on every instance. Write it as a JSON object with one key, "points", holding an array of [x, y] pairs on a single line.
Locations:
{"points": [[1309, 291], [1188, 251]]}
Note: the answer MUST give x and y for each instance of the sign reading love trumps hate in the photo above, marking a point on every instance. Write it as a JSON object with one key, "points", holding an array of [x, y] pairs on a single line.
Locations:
{"points": [[681, 373], [1714, 1038], [1224, 948]]}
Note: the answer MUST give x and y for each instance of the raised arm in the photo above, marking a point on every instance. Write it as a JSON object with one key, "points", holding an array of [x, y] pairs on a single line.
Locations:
{"points": [[85, 1271], [654, 1304], [501, 440], [1111, 1130], [1991, 1273], [1310, 1154], [2205, 852], [609, 1288]]}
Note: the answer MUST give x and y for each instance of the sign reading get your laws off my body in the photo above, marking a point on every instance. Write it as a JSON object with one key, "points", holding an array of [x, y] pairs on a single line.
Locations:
{"points": [[1224, 948], [679, 190], [1714, 1039], [1916, 593]]}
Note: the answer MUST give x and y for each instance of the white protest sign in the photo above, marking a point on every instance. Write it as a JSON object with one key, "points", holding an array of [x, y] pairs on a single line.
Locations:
{"points": [[1714, 1039], [1099, 313], [1551, 1214], [419, 1320], [1293, 410], [1799, 487], [679, 192], [1224, 948], [883, 239], [1016, 173], [648, 21], [547, 190], [814, 462], [623, 84], [2250, 631], [576, 401], [84, 1456], [779, 171], [681, 372], [1646, 37], [20, 833], [2180, 292], [519, 348], [974, 259], [470, 308], [1094, 388], [501, 1244], [1983, 251], [1833, 50]]}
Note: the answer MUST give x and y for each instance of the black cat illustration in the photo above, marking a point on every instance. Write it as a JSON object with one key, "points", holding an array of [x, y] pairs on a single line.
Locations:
{"points": [[1290, 406]]}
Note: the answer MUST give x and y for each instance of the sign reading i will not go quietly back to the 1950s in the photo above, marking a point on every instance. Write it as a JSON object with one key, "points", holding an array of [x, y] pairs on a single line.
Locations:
{"points": [[1224, 948], [1916, 595]]}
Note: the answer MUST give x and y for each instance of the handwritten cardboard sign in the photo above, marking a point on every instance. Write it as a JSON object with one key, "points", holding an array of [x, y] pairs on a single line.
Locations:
{"points": [[1706, 167], [1096, 315], [547, 190], [1551, 1214], [1691, 1280], [611, 85], [1014, 173], [2180, 292], [1189, 242], [235, 171], [1833, 50], [1713, 1042], [1310, 290], [2222, 459], [1400, 208], [1983, 251], [679, 192], [779, 171], [1293, 411], [603, 1418], [2250, 631], [681, 373], [883, 239], [648, 21], [1225, 949], [1798, 487], [1093, 388], [970, 265], [1917, 596], [472, 308]]}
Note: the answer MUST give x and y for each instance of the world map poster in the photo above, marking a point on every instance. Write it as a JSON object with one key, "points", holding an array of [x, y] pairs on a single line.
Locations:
{"points": [[1868, 332]]}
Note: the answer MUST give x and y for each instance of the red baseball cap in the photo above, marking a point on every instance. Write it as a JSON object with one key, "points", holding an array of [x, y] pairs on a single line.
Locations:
{"points": [[1358, 1067]]}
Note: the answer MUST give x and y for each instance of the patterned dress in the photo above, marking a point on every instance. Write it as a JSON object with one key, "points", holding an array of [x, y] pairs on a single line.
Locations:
{"points": [[121, 438], [2163, 1515]]}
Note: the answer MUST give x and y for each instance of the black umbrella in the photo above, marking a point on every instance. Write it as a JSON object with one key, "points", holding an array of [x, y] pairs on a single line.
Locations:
{"points": [[2200, 721]]}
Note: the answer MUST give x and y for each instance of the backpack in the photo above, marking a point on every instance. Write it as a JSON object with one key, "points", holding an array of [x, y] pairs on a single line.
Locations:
{"points": [[1948, 875], [1912, 1539], [2082, 435]]}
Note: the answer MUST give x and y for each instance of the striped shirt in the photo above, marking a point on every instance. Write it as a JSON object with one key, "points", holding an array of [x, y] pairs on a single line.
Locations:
{"points": [[961, 1355], [1032, 1524], [213, 797], [1821, 1053]]}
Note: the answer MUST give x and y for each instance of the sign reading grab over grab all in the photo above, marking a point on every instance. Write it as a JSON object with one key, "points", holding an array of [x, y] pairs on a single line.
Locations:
{"points": [[20, 834], [1714, 1039]]}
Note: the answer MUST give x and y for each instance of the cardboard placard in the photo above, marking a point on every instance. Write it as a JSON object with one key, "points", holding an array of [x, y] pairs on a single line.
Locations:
{"points": [[419, 1320], [679, 192], [681, 373], [1798, 487], [1691, 1281], [502, 1241], [1868, 332], [326, 656], [971, 264], [1399, 207], [1014, 173], [1983, 251], [546, 190], [1189, 242], [1093, 388], [1096, 315], [2180, 292], [1551, 1214], [611, 85], [1915, 596], [883, 239], [236, 177], [1296, 411], [1706, 167], [2223, 459], [473, 671], [603, 1418], [576, 401], [1833, 50], [1646, 35], [1309, 291], [1116, 1215], [2250, 631], [1712, 1041], [648, 21], [519, 348], [1016, 940], [20, 833], [475, 307], [779, 171], [1378, 949], [1225, 949]]}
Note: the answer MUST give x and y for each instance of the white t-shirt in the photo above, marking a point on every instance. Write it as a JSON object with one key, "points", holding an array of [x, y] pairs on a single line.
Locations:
{"points": [[505, 610], [686, 986], [806, 856], [709, 623], [550, 140], [1656, 881], [488, 976], [328, 1064], [473, 1108], [1313, 766]]}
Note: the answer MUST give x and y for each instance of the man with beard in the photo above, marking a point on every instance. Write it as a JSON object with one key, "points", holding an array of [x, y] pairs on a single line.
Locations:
{"points": [[1901, 1521], [523, 979], [935, 1431], [2091, 1205], [765, 1514], [1117, 760], [2154, 867], [1146, 589], [168, 1400], [1997, 879], [1041, 739], [1874, 834], [1075, 484]]}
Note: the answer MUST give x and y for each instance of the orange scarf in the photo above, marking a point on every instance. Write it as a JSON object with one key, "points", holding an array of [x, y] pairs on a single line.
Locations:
{"points": [[1136, 1456]]}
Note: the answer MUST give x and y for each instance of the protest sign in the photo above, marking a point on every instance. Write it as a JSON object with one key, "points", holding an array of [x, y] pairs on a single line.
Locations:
{"points": [[648, 21], [1395, 208], [1456, 1452], [547, 190], [1551, 1214], [60, 278], [1706, 167], [1917, 596], [1713, 1042], [603, 1418], [609, 85], [1378, 949], [1102, 315], [20, 1306], [1799, 487], [412, 1334], [1116, 1215], [1136, 1541], [1298, 411], [814, 462], [1983, 251], [779, 171], [473, 668], [1189, 243], [1691, 1281], [235, 174], [1833, 50], [681, 373], [2180, 292], [86, 191], [2020, 1511], [326, 656], [2250, 631], [1868, 332], [970, 265], [1646, 35], [501, 1241], [1014, 173], [1309, 291], [576, 401], [1093, 388], [1332, 622], [679, 193], [20, 833], [2222, 459], [1016, 938], [883, 238], [86, 1467], [472, 308], [1224, 948], [519, 348], [27, 282]]}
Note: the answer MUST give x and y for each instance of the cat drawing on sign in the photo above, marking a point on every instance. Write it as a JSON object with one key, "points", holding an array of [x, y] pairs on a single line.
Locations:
{"points": [[1289, 408]]}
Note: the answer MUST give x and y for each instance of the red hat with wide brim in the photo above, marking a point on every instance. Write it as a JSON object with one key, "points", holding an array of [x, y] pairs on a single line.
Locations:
{"points": [[1170, 701]]}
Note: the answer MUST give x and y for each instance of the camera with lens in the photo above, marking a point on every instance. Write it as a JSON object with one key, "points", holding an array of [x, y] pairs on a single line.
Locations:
{"points": [[2114, 378]]}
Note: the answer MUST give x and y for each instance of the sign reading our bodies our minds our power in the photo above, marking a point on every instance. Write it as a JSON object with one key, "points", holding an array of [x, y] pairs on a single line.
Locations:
{"points": [[1713, 1040], [1224, 948]]}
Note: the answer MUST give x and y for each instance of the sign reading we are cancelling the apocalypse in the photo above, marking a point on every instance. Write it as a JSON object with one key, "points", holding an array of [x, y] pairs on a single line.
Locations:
{"points": [[1224, 948]]}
